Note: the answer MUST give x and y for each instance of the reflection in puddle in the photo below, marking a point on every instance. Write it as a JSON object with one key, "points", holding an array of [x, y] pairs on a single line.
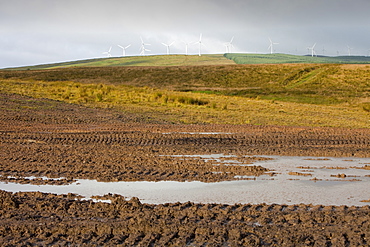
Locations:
{"points": [[292, 180]]}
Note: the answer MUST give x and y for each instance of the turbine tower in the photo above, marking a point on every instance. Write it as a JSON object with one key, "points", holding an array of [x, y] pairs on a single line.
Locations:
{"points": [[108, 52], [200, 44], [349, 50], [229, 45], [271, 47], [312, 50], [124, 49], [168, 47], [142, 48], [186, 47]]}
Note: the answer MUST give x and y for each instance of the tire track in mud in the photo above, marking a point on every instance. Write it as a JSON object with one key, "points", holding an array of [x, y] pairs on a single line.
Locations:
{"points": [[36, 218], [139, 139]]}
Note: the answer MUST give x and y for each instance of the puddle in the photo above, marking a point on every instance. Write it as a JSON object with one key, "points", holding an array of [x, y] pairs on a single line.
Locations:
{"points": [[292, 180]]}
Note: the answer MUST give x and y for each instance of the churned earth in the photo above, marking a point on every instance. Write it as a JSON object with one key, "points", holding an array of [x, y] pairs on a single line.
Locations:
{"points": [[45, 138]]}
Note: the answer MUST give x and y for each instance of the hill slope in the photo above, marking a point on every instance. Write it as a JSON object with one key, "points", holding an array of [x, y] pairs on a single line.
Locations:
{"points": [[286, 58], [163, 60], [274, 94]]}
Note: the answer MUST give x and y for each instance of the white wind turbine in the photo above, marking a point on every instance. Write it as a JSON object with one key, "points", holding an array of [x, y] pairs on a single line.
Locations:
{"points": [[349, 50], [108, 52], [312, 50], [124, 49], [200, 44], [186, 47], [168, 47], [229, 45], [142, 48], [271, 47]]}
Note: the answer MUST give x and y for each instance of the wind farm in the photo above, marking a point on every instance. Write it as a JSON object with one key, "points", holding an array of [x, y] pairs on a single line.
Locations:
{"points": [[178, 47]]}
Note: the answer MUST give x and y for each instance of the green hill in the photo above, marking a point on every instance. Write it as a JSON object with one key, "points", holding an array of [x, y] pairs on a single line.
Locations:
{"points": [[194, 60], [163, 60], [286, 58]]}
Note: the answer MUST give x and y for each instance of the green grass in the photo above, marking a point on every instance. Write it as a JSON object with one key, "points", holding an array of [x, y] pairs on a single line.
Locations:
{"points": [[194, 60], [286, 58], [163, 60]]}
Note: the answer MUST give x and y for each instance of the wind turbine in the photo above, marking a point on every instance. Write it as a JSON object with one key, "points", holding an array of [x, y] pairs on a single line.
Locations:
{"points": [[186, 47], [200, 44], [271, 47], [142, 48], [124, 49], [108, 52], [168, 47], [229, 45], [312, 50], [349, 50]]}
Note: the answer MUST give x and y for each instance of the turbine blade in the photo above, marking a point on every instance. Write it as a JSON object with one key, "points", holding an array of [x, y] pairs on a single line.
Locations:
{"points": [[120, 46], [127, 46]]}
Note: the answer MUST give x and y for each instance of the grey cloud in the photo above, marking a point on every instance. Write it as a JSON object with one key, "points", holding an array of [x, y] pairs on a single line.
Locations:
{"points": [[41, 31]]}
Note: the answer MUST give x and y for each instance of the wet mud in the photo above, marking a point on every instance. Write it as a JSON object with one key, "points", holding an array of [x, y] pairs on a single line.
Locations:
{"points": [[49, 220], [44, 138]]}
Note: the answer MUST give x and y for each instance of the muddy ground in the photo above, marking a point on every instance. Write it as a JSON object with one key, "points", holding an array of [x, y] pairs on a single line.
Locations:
{"points": [[41, 137], [46, 219]]}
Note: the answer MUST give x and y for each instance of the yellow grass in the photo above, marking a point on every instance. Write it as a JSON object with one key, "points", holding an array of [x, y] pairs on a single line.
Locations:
{"points": [[188, 107]]}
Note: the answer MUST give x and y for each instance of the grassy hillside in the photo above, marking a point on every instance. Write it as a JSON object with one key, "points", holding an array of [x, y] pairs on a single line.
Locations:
{"points": [[286, 58], [164, 60], [289, 94]]}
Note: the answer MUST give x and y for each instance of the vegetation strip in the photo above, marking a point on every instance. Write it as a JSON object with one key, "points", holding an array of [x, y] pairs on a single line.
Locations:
{"points": [[304, 95]]}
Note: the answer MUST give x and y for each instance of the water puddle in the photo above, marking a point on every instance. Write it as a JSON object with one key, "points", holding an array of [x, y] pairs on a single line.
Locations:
{"points": [[292, 180]]}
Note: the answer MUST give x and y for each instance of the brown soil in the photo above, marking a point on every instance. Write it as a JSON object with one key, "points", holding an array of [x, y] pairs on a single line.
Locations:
{"points": [[53, 139], [47, 138], [51, 220]]}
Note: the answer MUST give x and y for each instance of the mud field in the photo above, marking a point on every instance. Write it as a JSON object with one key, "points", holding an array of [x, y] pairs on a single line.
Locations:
{"points": [[44, 138]]}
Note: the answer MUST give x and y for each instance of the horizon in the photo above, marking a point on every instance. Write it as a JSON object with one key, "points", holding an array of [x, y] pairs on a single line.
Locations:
{"points": [[164, 55]]}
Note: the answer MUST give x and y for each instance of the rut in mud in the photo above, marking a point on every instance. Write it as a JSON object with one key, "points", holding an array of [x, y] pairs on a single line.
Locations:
{"points": [[60, 140], [46, 219]]}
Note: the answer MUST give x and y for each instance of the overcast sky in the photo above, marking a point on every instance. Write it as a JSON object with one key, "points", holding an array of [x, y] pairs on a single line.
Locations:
{"points": [[45, 31]]}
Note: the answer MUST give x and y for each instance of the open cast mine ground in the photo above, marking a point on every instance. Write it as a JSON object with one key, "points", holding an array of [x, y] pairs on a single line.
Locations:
{"points": [[47, 142]]}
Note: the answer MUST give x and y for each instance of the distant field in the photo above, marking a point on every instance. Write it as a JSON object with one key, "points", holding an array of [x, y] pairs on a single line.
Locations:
{"points": [[163, 60], [194, 60], [286, 58], [275, 94]]}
